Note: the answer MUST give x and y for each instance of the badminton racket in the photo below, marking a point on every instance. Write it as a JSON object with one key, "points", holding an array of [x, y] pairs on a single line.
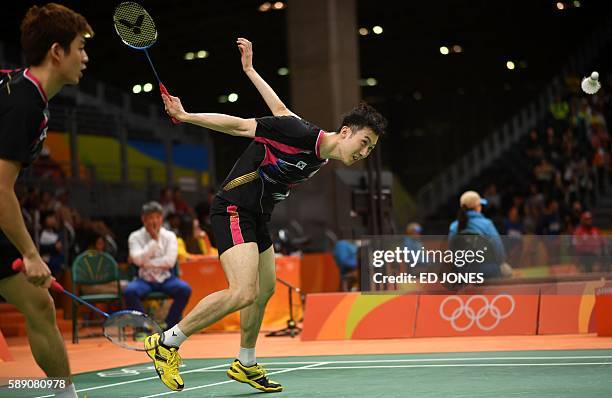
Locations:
{"points": [[137, 30], [123, 328]]}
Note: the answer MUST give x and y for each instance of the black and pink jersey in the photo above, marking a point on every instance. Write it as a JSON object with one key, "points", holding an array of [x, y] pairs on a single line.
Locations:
{"points": [[284, 153], [24, 116]]}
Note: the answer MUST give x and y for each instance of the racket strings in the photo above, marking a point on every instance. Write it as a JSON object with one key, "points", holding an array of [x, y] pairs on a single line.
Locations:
{"points": [[129, 328], [134, 25]]}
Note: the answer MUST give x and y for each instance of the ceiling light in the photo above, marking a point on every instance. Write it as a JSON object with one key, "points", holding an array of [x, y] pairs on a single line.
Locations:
{"points": [[363, 31], [370, 81], [457, 48], [283, 71], [202, 54], [147, 87], [560, 6], [510, 65], [222, 99], [233, 97], [279, 5], [377, 29], [443, 50], [577, 4], [265, 7], [136, 89], [189, 56]]}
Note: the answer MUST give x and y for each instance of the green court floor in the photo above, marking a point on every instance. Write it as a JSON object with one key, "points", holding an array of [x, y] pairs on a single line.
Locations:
{"points": [[541, 374]]}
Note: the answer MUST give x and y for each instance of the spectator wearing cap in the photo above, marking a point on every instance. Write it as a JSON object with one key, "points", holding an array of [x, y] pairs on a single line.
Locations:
{"points": [[588, 242], [153, 249], [471, 221]]}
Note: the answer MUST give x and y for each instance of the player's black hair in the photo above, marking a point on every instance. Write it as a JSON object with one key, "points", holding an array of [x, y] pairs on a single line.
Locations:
{"points": [[364, 115]]}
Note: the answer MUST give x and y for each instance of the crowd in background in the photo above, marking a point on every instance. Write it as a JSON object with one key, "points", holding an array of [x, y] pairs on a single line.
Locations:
{"points": [[62, 232]]}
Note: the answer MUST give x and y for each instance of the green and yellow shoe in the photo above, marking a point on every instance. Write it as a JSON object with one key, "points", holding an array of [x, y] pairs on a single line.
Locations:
{"points": [[254, 375], [166, 361]]}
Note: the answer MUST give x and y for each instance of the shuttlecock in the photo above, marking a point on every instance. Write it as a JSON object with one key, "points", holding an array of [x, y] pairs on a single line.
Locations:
{"points": [[590, 84]]}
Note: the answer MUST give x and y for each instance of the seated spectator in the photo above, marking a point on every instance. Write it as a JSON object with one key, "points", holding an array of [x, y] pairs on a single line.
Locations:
{"points": [[165, 199], [345, 255], [193, 242], [181, 207], [51, 249], [413, 235], [512, 224], [153, 249], [588, 243]]}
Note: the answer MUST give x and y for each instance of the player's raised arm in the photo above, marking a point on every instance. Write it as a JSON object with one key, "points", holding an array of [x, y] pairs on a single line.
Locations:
{"points": [[227, 124], [275, 104]]}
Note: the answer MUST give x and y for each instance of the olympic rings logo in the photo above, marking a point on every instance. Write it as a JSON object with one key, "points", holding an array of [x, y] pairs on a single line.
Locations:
{"points": [[476, 315]]}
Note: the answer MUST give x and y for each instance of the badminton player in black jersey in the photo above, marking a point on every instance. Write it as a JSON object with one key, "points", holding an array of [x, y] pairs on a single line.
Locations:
{"points": [[53, 40], [285, 151]]}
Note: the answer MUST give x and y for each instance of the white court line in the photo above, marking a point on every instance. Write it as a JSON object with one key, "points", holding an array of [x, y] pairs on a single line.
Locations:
{"points": [[463, 365], [233, 381], [441, 359], [138, 380], [355, 361]]}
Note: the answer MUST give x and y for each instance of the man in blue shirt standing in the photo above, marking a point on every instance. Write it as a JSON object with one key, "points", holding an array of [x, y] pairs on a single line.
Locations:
{"points": [[471, 221]]}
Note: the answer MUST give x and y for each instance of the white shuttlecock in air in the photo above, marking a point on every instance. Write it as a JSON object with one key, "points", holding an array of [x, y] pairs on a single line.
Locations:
{"points": [[591, 85]]}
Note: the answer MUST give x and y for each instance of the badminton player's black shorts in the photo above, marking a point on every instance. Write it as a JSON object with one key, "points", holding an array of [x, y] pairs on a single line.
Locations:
{"points": [[8, 254], [233, 225]]}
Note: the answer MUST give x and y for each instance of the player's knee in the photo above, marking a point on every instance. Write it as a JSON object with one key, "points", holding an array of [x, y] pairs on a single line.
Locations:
{"points": [[40, 309], [244, 297]]}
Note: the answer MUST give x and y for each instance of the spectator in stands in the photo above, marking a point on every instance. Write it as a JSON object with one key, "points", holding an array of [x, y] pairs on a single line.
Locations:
{"points": [[560, 110], [165, 199], [471, 221], [412, 237], [513, 225], [173, 223], [153, 249], [51, 249], [181, 207], [46, 168], [345, 256], [588, 242], [193, 242], [493, 197]]}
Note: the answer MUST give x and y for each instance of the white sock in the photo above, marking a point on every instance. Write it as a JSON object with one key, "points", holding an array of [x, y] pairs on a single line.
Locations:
{"points": [[68, 392], [246, 356], [174, 337]]}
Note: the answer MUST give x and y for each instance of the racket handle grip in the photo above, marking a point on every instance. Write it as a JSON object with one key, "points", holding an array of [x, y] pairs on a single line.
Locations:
{"points": [[19, 267], [163, 89]]}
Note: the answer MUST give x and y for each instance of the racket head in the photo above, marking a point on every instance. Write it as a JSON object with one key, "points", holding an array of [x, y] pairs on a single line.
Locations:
{"points": [[128, 329], [134, 25]]}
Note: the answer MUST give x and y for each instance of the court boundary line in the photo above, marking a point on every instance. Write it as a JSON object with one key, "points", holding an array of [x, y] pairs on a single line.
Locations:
{"points": [[135, 381], [317, 363]]}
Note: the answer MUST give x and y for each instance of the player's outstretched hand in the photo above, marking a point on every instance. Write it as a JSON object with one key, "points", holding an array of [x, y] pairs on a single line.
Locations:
{"points": [[246, 52], [173, 107], [37, 272]]}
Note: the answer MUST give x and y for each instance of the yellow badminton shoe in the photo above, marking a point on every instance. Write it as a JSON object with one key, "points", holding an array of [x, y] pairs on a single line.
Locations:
{"points": [[166, 361], [255, 376]]}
